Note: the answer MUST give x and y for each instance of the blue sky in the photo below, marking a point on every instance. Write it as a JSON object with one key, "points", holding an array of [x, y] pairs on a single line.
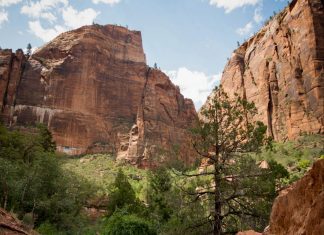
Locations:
{"points": [[189, 39]]}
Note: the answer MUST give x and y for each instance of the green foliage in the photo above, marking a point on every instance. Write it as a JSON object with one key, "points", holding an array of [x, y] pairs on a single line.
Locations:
{"points": [[236, 192], [48, 191], [101, 171], [248, 191], [159, 189], [48, 229], [187, 212], [303, 164], [278, 170], [33, 184], [46, 139], [295, 156], [122, 223], [122, 195], [160, 180], [28, 219]]}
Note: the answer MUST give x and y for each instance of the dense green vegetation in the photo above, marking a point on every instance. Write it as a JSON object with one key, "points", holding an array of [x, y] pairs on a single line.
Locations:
{"points": [[101, 170], [296, 156], [33, 184], [50, 192]]}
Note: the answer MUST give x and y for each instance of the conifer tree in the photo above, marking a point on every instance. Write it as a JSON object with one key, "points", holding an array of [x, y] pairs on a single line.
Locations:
{"points": [[29, 49], [238, 192]]}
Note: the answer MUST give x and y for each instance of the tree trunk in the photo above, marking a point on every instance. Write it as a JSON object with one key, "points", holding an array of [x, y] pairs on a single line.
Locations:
{"points": [[217, 203], [5, 194]]}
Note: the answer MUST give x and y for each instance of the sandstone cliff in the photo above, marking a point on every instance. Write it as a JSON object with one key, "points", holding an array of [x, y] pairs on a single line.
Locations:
{"points": [[300, 208], [11, 67], [281, 70], [93, 89], [250, 232]]}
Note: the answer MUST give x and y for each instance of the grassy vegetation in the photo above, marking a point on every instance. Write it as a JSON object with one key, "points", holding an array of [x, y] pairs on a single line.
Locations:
{"points": [[296, 156], [101, 170]]}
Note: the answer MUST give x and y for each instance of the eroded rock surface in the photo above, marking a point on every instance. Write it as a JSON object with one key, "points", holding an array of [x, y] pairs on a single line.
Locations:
{"points": [[11, 68], [281, 70], [11, 226], [249, 232], [300, 208], [93, 89]]}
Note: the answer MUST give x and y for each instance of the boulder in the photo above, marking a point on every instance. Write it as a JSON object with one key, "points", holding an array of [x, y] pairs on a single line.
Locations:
{"points": [[299, 209]]}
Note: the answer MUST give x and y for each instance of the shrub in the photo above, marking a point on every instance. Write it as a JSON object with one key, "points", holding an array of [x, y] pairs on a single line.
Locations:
{"points": [[122, 224], [122, 194], [303, 164], [47, 228]]}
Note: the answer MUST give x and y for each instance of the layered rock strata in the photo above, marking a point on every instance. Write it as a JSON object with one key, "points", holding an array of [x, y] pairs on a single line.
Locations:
{"points": [[281, 70], [94, 91]]}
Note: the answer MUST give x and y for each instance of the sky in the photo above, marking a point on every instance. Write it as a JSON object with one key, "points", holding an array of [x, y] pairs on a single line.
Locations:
{"points": [[190, 40]]}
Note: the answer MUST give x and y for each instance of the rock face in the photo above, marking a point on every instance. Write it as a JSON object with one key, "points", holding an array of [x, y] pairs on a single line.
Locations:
{"points": [[11, 226], [11, 67], [281, 70], [300, 208], [94, 91], [250, 232]]}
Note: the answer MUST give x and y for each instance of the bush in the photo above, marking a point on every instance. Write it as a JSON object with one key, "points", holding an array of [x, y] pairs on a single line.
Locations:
{"points": [[47, 228], [123, 195], [303, 164], [122, 224]]}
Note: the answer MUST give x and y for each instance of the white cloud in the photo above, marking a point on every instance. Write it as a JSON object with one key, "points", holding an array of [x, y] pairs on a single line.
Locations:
{"points": [[7, 3], [45, 34], [193, 84], [51, 10], [3, 13], [3, 17], [75, 19], [258, 18], [110, 2], [230, 5], [43, 9], [247, 29]]}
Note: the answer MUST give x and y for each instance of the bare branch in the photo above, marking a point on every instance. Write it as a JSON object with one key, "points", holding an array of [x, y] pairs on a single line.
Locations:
{"points": [[195, 175]]}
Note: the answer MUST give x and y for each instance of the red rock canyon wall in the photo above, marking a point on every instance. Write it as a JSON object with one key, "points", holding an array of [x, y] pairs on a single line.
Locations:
{"points": [[93, 89]]}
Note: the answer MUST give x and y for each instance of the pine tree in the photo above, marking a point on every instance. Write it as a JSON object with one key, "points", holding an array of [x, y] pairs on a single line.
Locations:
{"points": [[122, 194], [237, 191], [29, 49]]}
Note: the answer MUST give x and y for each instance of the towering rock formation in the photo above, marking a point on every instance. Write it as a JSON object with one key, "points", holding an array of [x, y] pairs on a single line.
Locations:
{"points": [[300, 208], [93, 89], [281, 70], [11, 67]]}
